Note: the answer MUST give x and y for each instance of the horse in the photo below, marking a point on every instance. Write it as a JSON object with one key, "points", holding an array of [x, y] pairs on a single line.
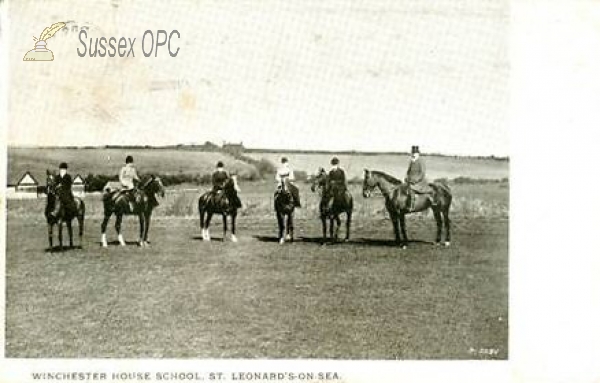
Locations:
{"points": [[284, 207], [221, 202], [395, 193], [334, 202], [144, 202], [64, 215]]}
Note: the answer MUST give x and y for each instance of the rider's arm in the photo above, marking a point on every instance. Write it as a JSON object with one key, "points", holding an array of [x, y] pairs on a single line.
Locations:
{"points": [[277, 177], [135, 174], [291, 175]]}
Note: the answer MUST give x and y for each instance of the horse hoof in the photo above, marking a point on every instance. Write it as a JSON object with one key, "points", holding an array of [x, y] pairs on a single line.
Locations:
{"points": [[447, 243], [234, 238], [282, 241], [287, 237]]}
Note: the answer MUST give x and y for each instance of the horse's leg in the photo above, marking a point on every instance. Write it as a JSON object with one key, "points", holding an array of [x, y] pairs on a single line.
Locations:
{"points": [[446, 213], [201, 211], [290, 227], [142, 231], [70, 232], [60, 237], [208, 218], [233, 219], [396, 224], [224, 227], [331, 224], [438, 222], [338, 222], [281, 227], [324, 225], [348, 225], [103, 227], [80, 223], [147, 220], [118, 228], [402, 218], [50, 225]]}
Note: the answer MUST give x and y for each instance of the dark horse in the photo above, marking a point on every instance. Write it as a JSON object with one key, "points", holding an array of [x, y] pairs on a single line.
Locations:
{"points": [[221, 202], [334, 202], [395, 193], [116, 202], [284, 207], [65, 214]]}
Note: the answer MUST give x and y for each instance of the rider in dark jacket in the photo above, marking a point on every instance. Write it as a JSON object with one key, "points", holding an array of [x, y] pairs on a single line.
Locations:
{"points": [[337, 179], [64, 184], [219, 179]]}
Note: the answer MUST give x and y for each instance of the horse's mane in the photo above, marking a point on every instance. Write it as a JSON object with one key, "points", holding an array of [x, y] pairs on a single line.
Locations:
{"points": [[387, 177]]}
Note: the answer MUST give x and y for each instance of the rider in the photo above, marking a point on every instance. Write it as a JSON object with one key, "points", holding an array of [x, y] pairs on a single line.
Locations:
{"points": [[129, 178], [64, 184], [219, 178], [285, 172], [337, 177], [415, 177]]}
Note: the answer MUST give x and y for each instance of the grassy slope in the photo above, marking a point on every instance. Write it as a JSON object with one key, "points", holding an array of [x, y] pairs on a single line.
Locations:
{"points": [[437, 167], [172, 161], [109, 161]]}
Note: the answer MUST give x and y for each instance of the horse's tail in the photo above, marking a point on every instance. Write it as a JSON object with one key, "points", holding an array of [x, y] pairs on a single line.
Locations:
{"points": [[444, 188]]}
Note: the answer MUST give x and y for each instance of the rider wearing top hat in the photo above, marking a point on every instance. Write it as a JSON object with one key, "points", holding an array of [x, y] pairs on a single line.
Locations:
{"points": [[64, 184], [286, 173], [415, 177]]}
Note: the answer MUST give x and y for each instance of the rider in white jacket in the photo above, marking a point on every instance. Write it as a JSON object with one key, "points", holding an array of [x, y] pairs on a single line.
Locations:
{"points": [[285, 172]]}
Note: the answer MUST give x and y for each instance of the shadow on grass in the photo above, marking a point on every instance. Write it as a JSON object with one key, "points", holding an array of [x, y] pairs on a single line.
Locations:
{"points": [[57, 249], [358, 241], [212, 239]]}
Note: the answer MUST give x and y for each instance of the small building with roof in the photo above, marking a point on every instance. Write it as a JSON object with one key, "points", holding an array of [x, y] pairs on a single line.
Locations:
{"points": [[78, 186]]}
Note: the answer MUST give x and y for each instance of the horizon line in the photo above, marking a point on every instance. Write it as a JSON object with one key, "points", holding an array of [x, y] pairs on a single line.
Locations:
{"points": [[209, 144]]}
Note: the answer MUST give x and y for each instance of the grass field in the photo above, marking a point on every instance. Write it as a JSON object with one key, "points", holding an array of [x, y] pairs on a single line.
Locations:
{"points": [[182, 297]]}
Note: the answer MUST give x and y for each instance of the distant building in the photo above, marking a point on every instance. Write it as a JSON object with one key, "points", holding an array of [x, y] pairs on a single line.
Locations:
{"points": [[78, 186], [26, 187], [233, 149]]}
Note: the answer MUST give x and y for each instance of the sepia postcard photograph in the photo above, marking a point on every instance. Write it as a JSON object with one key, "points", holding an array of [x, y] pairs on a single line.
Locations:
{"points": [[318, 182]]}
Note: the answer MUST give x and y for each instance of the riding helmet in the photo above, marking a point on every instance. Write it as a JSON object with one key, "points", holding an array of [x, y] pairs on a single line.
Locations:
{"points": [[129, 160], [284, 160], [415, 149], [335, 161], [220, 164], [63, 165]]}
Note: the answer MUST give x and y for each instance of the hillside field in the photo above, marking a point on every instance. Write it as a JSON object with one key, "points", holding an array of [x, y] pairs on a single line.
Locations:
{"points": [[189, 162]]}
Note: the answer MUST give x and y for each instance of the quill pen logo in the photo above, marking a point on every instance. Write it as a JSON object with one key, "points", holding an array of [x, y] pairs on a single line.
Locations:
{"points": [[40, 52]]}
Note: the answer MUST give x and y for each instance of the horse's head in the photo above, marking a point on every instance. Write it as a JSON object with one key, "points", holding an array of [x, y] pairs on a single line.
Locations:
{"points": [[154, 186], [51, 183], [369, 183], [231, 185], [319, 180]]}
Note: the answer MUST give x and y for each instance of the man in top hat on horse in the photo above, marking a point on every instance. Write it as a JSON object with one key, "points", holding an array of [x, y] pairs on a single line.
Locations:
{"points": [[129, 179], [285, 173], [64, 184], [415, 177], [219, 178]]}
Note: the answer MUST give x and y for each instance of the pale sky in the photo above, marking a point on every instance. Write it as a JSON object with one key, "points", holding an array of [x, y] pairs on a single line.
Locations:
{"points": [[334, 75]]}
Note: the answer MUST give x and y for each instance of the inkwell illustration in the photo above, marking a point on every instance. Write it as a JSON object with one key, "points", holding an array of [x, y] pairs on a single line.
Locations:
{"points": [[40, 52]]}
